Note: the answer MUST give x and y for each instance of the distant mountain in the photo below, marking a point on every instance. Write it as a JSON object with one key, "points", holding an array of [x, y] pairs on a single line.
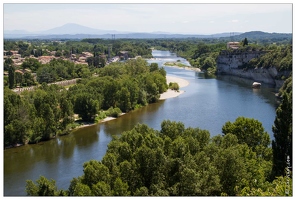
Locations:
{"points": [[259, 35], [73, 29], [76, 31]]}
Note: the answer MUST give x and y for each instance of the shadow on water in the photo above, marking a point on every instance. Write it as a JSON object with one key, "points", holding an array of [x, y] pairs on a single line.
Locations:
{"points": [[126, 122], [266, 91], [204, 75]]}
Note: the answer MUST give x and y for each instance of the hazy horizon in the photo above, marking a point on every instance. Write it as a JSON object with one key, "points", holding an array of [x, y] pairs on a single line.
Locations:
{"points": [[193, 18]]}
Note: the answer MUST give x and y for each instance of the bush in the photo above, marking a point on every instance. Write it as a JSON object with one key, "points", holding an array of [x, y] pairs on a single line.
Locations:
{"points": [[101, 115], [174, 86], [113, 112]]}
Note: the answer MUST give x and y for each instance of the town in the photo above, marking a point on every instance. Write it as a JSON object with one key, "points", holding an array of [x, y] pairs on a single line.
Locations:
{"points": [[21, 58]]}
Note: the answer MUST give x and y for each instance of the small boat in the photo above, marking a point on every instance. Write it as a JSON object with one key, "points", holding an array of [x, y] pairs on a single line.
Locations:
{"points": [[256, 85]]}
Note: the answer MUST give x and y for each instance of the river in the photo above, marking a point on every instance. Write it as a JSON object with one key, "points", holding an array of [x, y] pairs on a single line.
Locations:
{"points": [[207, 103]]}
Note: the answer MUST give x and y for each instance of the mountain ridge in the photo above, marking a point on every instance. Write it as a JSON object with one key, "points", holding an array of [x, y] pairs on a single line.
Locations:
{"points": [[76, 31]]}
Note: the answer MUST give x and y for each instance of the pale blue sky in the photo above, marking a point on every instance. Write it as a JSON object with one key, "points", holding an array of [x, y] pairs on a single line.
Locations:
{"points": [[190, 18]]}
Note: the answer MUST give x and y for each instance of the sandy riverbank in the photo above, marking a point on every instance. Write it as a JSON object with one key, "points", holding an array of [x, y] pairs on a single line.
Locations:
{"points": [[172, 93], [186, 68]]}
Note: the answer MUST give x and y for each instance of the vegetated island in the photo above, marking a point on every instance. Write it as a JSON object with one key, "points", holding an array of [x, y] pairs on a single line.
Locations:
{"points": [[178, 64]]}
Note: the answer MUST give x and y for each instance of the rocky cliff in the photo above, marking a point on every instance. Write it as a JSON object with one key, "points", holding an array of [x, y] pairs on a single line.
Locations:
{"points": [[231, 62]]}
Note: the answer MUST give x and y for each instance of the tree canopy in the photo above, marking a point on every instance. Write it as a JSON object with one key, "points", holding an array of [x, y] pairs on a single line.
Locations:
{"points": [[176, 161]]}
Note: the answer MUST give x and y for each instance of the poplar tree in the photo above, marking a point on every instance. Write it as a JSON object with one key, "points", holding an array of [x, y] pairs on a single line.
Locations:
{"points": [[282, 129], [11, 77]]}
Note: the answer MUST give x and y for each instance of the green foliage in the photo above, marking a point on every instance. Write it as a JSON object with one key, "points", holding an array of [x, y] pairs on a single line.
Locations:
{"points": [[16, 118], [11, 76], [245, 42], [178, 161], [113, 112], [282, 129], [249, 131], [120, 87], [8, 63], [43, 187], [32, 64], [174, 86], [279, 57], [86, 106], [101, 115], [281, 186]]}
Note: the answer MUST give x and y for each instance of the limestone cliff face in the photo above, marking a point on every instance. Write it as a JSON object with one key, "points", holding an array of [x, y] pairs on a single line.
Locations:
{"points": [[230, 63]]}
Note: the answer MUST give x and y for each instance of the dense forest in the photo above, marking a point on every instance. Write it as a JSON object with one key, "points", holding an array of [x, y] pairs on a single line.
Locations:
{"points": [[175, 161]]}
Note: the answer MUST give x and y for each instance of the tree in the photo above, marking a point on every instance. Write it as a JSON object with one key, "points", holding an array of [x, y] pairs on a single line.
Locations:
{"points": [[101, 189], [16, 118], [245, 42], [120, 188], [247, 130], [28, 79], [82, 190], [94, 172], [86, 106], [154, 67], [281, 186], [124, 102], [282, 129], [209, 62], [11, 77], [18, 78], [44, 187], [8, 63], [32, 64], [46, 74]]}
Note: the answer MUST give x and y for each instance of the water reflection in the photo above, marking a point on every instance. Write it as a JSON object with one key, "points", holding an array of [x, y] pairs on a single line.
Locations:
{"points": [[86, 136], [266, 91]]}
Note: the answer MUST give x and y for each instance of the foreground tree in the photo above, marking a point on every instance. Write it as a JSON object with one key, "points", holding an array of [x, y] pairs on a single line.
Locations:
{"points": [[175, 161], [282, 129], [43, 187], [251, 132]]}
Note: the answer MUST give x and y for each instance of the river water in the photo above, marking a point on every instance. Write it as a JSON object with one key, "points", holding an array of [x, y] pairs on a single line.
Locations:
{"points": [[207, 103]]}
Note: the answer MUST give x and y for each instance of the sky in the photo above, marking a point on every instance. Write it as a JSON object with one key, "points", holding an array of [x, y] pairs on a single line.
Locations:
{"points": [[189, 18]]}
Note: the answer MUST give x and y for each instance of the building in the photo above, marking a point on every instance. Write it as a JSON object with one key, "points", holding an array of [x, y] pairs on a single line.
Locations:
{"points": [[123, 55], [233, 45], [45, 59]]}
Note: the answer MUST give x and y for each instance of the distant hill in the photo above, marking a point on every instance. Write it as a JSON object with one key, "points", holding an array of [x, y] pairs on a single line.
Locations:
{"points": [[76, 31], [73, 29], [259, 35]]}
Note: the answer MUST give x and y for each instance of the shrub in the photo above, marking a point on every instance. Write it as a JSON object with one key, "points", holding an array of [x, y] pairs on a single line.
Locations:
{"points": [[174, 86], [113, 112], [101, 115]]}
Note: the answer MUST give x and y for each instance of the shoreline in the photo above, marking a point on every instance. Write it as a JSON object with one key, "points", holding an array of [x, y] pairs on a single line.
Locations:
{"points": [[166, 95], [102, 121], [172, 93]]}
